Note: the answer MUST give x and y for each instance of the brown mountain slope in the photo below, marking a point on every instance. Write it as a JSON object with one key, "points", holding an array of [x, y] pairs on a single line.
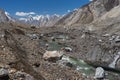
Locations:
{"points": [[88, 13]]}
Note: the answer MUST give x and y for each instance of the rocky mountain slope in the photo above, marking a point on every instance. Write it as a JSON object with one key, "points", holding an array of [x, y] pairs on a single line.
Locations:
{"points": [[88, 13]]}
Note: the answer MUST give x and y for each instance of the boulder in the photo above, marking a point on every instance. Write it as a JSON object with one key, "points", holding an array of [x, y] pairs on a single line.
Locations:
{"points": [[4, 74], [116, 58], [68, 49], [22, 76], [100, 73], [117, 39], [53, 55]]}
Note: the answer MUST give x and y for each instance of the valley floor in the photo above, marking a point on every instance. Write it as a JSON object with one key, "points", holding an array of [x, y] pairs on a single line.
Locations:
{"points": [[22, 51]]}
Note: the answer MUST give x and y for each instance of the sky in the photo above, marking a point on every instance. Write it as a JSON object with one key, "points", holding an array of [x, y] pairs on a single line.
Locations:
{"points": [[40, 7]]}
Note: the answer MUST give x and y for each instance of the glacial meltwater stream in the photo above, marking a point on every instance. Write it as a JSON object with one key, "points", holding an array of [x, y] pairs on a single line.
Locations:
{"points": [[79, 65], [88, 70]]}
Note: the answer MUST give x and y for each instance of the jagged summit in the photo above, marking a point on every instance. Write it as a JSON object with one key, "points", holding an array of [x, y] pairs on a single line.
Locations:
{"points": [[41, 20], [37, 20], [3, 17]]}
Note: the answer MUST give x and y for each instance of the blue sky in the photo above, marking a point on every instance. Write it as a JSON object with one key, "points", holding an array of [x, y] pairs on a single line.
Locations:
{"points": [[42, 7]]}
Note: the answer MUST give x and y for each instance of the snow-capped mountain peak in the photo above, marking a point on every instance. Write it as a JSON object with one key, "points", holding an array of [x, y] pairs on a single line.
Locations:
{"points": [[38, 17], [36, 20], [41, 20], [3, 16], [9, 17]]}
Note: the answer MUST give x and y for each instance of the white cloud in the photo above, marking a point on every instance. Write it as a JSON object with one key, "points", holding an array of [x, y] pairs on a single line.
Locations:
{"points": [[90, 0], [24, 13], [68, 10]]}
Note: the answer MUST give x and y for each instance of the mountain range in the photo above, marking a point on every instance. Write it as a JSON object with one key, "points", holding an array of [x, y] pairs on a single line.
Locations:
{"points": [[37, 20], [41, 20], [81, 16]]}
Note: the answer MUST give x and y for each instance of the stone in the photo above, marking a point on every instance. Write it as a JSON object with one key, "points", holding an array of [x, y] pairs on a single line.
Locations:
{"points": [[36, 64], [19, 75], [29, 77], [11, 71], [100, 73], [33, 36], [116, 58], [33, 27], [83, 36], [69, 64], [100, 40], [117, 39], [22, 76], [68, 49], [105, 35], [3, 72], [53, 38], [52, 55]]}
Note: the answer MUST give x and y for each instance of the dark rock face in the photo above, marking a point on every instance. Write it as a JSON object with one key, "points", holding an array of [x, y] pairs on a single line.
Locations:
{"points": [[109, 4], [3, 17]]}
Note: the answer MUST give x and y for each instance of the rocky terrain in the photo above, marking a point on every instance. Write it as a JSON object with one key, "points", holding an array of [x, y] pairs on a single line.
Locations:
{"points": [[88, 13], [83, 45], [21, 52]]}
